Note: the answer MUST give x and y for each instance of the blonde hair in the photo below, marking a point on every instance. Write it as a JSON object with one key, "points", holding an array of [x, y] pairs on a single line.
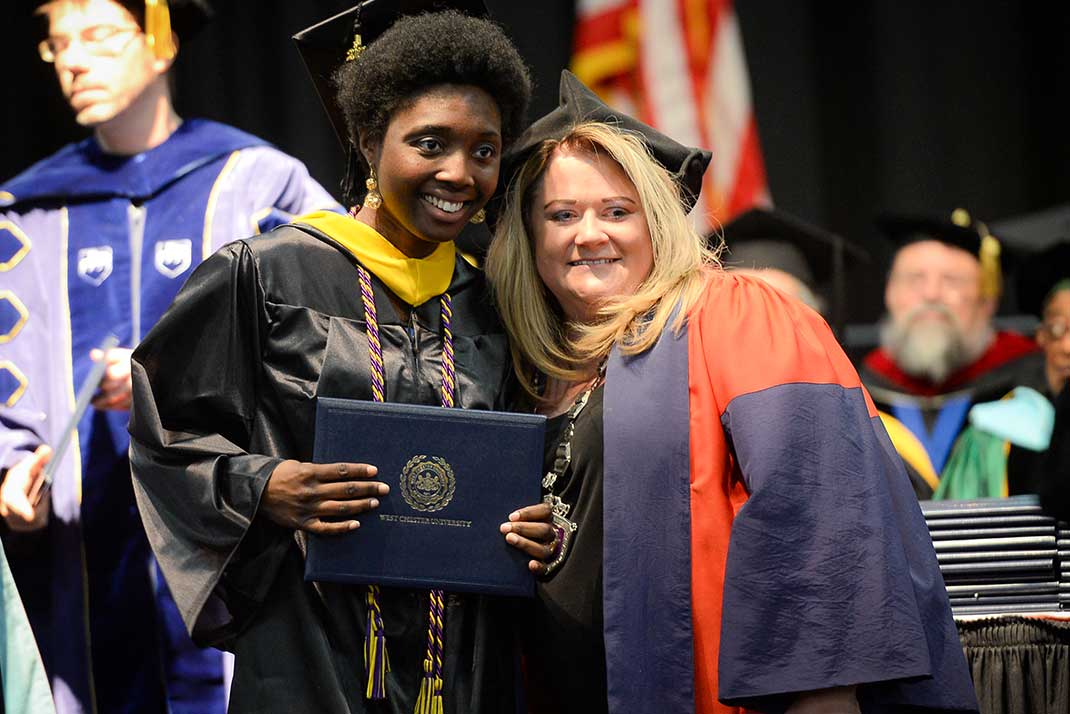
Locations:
{"points": [[542, 340]]}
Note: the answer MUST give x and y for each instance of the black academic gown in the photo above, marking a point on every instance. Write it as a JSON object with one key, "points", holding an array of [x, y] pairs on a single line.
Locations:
{"points": [[225, 388]]}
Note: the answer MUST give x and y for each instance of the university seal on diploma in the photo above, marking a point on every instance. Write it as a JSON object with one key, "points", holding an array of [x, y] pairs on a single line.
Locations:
{"points": [[427, 483]]}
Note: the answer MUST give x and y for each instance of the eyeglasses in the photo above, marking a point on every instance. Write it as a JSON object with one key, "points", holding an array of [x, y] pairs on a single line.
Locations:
{"points": [[916, 280], [1056, 329], [98, 40]]}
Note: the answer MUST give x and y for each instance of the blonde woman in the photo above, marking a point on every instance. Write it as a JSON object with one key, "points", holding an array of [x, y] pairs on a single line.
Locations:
{"points": [[733, 526]]}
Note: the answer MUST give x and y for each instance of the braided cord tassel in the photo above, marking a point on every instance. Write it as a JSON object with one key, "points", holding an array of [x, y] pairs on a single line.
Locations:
{"points": [[375, 657], [448, 386], [375, 348], [376, 660], [430, 698]]}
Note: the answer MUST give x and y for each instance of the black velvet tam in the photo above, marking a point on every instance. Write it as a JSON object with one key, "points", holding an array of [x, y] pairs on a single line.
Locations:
{"points": [[770, 238], [579, 104]]}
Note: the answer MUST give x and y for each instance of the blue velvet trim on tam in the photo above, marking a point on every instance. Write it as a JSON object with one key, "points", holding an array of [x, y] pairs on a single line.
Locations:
{"points": [[647, 521]]}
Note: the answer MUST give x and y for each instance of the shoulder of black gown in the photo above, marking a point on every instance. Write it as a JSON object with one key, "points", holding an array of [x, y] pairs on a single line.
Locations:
{"points": [[472, 301]]}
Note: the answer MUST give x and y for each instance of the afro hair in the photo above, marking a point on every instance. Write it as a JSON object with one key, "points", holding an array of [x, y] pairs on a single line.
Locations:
{"points": [[421, 51]]}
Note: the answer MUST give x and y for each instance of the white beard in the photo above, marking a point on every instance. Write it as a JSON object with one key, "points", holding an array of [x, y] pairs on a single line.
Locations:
{"points": [[932, 350]]}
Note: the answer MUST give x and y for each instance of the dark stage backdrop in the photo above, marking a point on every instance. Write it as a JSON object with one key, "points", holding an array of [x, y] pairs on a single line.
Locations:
{"points": [[861, 106]]}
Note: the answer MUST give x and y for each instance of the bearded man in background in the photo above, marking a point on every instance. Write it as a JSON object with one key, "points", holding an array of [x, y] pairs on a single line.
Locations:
{"points": [[940, 353]]}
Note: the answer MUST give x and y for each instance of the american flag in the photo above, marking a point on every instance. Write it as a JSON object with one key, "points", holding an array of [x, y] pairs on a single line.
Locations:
{"points": [[679, 66]]}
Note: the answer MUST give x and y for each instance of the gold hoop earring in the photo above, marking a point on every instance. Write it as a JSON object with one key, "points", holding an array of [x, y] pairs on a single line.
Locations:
{"points": [[373, 199], [478, 217]]}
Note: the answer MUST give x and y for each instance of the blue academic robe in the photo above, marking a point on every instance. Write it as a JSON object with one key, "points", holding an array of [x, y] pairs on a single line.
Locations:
{"points": [[92, 244]]}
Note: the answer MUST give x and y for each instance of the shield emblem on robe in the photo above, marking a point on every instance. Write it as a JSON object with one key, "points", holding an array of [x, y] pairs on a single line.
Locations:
{"points": [[173, 257], [94, 264]]}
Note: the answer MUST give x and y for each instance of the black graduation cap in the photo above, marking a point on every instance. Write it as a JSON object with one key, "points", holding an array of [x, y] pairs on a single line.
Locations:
{"points": [[771, 238], [1039, 274], [328, 44], [957, 229], [579, 104], [1035, 231], [188, 17]]}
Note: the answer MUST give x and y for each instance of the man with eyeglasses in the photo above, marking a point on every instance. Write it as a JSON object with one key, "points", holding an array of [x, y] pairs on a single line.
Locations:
{"points": [[96, 240], [940, 353]]}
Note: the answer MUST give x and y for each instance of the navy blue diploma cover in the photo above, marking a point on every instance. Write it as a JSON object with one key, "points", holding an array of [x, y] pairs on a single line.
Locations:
{"points": [[455, 475]]}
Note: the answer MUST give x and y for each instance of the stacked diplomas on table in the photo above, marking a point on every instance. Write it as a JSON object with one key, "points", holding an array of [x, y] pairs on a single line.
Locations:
{"points": [[454, 475], [1000, 555]]}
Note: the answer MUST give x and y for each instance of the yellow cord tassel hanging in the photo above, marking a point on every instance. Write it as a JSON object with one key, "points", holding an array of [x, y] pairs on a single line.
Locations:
{"points": [[376, 660], [429, 700], [991, 275], [158, 29]]}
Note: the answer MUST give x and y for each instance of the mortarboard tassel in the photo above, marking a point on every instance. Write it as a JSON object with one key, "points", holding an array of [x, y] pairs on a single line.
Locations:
{"points": [[991, 277], [988, 254], [158, 29]]}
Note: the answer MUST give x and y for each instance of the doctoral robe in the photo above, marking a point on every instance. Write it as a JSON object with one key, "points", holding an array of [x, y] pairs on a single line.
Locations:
{"points": [[761, 535], [93, 244]]}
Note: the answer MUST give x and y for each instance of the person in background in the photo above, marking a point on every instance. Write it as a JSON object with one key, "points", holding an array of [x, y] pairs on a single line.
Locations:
{"points": [[1003, 450], [734, 529], [96, 240], [378, 306], [940, 353]]}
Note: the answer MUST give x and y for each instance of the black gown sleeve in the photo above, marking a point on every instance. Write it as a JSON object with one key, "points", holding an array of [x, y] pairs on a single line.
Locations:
{"points": [[195, 402], [1055, 478]]}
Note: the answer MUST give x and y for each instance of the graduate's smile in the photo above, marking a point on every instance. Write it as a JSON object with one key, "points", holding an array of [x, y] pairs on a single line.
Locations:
{"points": [[447, 211], [445, 205]]}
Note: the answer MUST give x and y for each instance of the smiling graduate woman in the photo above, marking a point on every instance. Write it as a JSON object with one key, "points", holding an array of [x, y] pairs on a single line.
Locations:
{"points": [[377, 305], [734, 529]]}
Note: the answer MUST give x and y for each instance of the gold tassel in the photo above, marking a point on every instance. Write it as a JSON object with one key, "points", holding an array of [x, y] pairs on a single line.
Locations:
{"points": [[429, 700], [356, 50], [991, 276], [158, 29]]}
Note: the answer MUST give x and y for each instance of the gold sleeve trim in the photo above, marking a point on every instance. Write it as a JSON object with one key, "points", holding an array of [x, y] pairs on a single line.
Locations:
{"points": [[19, 377], [21, 237], [24, 315], [213, 198]]}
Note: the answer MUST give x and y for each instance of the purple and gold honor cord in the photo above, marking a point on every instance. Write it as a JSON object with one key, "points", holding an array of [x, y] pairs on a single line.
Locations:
{"points": [[375, 657]]}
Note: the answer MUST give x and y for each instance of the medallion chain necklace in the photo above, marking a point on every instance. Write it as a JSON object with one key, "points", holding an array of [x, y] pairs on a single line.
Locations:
{"points": [[564, 528]]}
